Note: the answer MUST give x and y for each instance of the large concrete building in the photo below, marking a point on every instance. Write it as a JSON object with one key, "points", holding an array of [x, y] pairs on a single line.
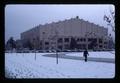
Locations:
{"points": [[58, 35]]}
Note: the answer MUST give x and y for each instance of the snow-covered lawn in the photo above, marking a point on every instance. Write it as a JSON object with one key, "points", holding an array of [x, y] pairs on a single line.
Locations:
{"points": [[24, 65]]}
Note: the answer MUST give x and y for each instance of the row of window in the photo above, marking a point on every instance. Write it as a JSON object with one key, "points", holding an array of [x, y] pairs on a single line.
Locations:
{"points": [[60, 40], [81, 39]]}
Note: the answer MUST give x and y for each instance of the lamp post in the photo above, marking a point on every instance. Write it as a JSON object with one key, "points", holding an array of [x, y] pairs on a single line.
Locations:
{"points": [[34, 48], [56, 35], [52, 38]]}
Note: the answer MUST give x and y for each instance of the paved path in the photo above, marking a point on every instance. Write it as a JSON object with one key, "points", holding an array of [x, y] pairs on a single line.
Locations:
{"points": [[107, 60]]}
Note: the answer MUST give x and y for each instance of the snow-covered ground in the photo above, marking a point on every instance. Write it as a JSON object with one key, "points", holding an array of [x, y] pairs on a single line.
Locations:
{"points": [[24, 65]]}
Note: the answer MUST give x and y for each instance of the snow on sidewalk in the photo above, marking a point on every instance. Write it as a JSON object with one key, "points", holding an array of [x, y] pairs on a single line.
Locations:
{"points": [[98, 59], [94, 54]]}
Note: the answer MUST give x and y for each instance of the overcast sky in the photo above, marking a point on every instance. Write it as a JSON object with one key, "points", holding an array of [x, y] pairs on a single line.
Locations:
{"points": [[19, 18]]}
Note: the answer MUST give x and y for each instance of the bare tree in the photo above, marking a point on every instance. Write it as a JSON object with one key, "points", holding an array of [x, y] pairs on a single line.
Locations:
{"points": [[11, 44], [110, 19], [73, 43]]}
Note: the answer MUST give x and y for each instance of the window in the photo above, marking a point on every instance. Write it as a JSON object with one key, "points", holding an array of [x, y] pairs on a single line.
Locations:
{"points": [[33, 39], [46, 43], [81, 39], [94, 40], [100, 40], [77, 39], [66, 39], [89, 39], [84, 39], [60, 40], [105, 42], [100, 46]]}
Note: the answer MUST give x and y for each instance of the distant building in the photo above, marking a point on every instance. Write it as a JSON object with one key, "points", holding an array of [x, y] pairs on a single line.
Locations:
{"points": [[58, 35]]}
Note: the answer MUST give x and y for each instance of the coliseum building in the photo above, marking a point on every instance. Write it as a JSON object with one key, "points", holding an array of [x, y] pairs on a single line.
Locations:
{"points": [[59, 35]]}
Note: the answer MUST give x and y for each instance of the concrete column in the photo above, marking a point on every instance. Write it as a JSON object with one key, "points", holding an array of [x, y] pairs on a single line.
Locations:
{"points": [[43, 42], [86, 42], [63, 44]]}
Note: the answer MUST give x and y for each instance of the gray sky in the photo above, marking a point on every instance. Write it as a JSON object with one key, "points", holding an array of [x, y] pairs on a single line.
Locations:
{"points": [[19, 18]]}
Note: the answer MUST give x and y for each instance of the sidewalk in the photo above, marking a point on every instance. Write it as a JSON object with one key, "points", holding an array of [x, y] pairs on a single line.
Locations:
{"points": [[107, 60]]}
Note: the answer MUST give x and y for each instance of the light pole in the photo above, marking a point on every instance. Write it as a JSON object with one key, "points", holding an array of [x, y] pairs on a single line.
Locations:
{"points": [[34, 48], [52, 38], [56, 37], [56, 34]]}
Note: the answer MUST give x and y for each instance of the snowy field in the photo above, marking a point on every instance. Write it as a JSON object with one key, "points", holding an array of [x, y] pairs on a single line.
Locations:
{"points": [[24, 65]]}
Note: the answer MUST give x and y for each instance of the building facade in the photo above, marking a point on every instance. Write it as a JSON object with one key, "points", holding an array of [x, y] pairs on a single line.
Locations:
{"points": [[58, 35]]}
